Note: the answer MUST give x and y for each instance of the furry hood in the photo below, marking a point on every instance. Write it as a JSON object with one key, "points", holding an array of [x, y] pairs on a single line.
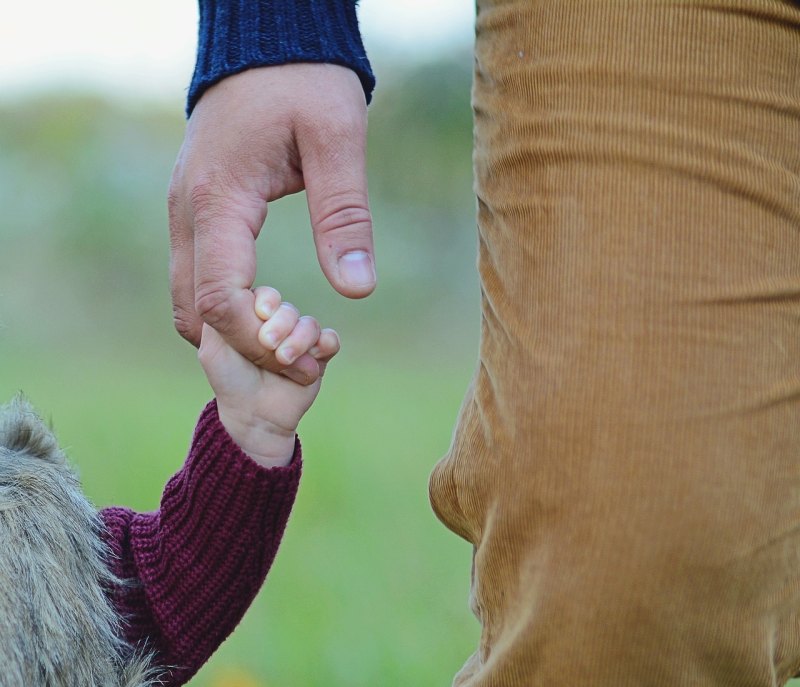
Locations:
{"points": [[57, 626]]}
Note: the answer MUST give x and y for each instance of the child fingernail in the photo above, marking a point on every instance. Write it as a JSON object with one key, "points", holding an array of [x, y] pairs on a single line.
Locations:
{"points": [[288, 355], [269, 339], [265, 310]]}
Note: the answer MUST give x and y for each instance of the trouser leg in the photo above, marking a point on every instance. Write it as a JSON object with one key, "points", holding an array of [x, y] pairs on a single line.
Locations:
{"points": [[627, 461]]}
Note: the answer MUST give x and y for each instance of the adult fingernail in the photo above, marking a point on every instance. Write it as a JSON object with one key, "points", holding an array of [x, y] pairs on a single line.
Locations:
{"points": [[296, 376], [356, 268]]}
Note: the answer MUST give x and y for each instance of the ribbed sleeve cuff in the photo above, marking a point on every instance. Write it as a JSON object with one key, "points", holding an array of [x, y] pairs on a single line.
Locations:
{"points": [[235, 35], [204, 555]]}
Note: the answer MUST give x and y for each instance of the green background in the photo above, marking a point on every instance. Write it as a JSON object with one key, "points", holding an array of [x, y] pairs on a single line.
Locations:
{"points": [[368, 589]]}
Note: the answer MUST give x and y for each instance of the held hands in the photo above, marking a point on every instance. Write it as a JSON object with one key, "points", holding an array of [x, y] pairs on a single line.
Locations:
{"points": [[261, 409], [253, 138]]}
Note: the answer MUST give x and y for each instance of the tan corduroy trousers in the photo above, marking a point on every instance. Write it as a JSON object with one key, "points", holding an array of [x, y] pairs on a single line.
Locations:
{"points": [[627, 460]]}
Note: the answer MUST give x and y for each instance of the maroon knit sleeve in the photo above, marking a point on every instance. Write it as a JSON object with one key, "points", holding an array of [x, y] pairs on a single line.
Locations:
{"points": [[195, 565]]}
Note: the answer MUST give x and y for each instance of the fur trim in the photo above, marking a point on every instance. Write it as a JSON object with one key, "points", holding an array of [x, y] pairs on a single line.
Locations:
{"points": [[57, 625]]}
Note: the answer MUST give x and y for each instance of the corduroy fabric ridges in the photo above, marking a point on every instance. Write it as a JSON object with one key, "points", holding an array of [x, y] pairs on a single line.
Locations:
{"points": [[199, 561], [235, 35], [627, 461]]}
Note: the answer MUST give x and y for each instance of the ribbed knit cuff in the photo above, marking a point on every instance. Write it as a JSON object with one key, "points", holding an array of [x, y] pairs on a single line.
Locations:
{"points": [[235, 35], [202, 557]]}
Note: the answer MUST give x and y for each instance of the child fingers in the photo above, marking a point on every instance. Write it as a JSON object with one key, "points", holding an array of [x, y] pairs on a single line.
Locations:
{"points": [[278, 326], [326, 346], [268, 300], [304, 335]]}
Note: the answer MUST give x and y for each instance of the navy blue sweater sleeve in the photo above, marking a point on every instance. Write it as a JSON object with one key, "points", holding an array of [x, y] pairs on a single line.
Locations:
{"points": [[235, 35]]}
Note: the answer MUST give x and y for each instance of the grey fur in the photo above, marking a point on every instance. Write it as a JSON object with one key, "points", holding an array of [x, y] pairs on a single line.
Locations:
{"points": [[57, 626]]}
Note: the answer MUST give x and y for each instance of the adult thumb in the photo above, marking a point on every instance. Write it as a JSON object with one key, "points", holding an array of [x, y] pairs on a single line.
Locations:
{"points": [[334, 174]]}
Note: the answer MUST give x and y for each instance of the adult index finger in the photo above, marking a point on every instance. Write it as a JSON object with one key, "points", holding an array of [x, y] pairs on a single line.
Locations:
{"points": [[224, 271]]}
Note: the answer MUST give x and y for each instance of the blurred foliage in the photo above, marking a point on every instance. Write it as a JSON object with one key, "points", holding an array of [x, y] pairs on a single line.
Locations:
{"points": [[368, 588], [421, 123], [83, 185]]}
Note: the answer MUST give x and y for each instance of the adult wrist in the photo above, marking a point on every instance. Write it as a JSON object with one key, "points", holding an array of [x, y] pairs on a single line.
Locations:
{"points": [[235, 36]]}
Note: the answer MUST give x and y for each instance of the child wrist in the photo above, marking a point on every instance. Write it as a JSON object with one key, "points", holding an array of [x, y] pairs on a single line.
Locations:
{"points": [[264, 442]]}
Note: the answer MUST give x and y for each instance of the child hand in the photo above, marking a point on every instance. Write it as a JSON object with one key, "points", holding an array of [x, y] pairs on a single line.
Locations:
{"points": [[258, 408]]}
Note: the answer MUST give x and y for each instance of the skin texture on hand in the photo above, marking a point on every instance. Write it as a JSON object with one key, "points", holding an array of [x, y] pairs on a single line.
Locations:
{"points": [[253, 138], [260, 409]]}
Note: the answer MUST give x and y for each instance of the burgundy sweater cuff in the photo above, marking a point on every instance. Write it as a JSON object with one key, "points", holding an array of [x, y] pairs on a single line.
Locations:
{"points": [[198, 562]]}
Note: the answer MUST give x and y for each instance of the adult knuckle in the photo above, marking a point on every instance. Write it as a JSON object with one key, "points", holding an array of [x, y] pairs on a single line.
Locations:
{"points": [[344, 214], [213, 305], [341, 126], [206, 199], [203, 194], [334, 122], [174, 202], [337, 137]]}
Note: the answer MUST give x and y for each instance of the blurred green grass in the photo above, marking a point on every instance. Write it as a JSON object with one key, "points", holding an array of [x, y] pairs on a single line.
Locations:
{"points": [[368, 588]]}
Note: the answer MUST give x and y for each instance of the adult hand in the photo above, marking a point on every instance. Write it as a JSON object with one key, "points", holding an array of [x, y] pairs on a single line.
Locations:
{"points": [[253, 138]]}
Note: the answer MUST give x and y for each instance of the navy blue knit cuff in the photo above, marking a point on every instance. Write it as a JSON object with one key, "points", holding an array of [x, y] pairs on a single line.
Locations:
{"points": [[239, 34]]}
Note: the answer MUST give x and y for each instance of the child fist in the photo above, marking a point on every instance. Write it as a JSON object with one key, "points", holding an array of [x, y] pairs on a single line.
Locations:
{"points": [[258, 408]]}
